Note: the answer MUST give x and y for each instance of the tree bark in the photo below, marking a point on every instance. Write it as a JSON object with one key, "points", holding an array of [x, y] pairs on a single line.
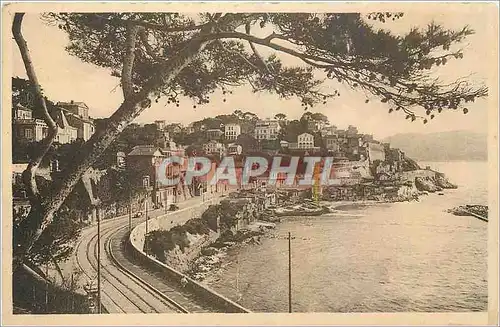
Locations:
{"points": [[128, 61], [39, 218], [29, 175]]}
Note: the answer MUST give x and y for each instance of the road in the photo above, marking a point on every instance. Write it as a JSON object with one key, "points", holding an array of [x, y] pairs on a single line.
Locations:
{"points": [[126, 286]]}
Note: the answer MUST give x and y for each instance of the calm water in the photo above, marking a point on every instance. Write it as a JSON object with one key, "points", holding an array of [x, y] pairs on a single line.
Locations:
{"points": [[390, 257]]}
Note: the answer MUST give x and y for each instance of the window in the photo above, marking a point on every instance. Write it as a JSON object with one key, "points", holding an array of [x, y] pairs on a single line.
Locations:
{"points": [[28, 133]]}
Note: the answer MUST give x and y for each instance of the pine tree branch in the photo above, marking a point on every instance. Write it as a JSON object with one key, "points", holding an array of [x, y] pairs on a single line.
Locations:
{"points": [[238, 54], [128, 61], [152, 26], [252, 46]]}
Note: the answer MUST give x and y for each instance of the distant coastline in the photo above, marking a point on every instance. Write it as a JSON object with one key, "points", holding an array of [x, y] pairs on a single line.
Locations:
{"points": [[452, 146], [423, 161]]}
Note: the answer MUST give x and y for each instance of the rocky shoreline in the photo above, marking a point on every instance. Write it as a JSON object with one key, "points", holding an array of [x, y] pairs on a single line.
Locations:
{"points": [[409, 188], [433, 184], [211, 256], [474, 210], [207, 256]]}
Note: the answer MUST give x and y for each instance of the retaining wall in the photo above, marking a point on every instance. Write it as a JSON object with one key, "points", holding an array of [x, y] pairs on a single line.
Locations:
{"points": [[136, 245], [167, 221]]}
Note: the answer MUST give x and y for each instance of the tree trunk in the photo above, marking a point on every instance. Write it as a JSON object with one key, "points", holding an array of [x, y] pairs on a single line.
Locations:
{"points": [[30, 229]]}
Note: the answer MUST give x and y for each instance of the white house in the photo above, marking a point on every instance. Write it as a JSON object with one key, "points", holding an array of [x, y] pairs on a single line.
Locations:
{"points": [[305, 141], [77, 114], [267, 129], [65, 132], [234, 148], [232, 131], [329, 130], [214, 147]]}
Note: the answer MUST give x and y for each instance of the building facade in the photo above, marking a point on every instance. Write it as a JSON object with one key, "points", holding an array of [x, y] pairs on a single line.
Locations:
{"points": [[305, 141], [329, 130], [65, 132], [232, 131], [144, 161], [77, 114], [214, 147], [267, 130], [332, 143], [234, 149], [214, 134]]}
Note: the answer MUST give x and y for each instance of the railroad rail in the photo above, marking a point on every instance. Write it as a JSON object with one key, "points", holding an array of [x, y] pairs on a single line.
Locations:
{"points": [[122, 291]]}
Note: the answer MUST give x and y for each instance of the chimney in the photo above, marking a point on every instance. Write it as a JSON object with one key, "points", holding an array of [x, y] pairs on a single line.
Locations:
{"points": [[72, 101]]}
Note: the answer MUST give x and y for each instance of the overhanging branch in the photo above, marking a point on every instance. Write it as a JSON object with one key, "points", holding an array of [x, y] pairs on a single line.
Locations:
{"points": [[152, 26]]}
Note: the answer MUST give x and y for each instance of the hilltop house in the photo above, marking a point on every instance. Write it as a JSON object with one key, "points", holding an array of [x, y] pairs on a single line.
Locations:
{"points": [[25, 127], [305, 141], [78, 117], [332, 143], [232, 131], [329, 130], [214, 134], [267, 129], [28, 129], [234, 149], [214, 147]]}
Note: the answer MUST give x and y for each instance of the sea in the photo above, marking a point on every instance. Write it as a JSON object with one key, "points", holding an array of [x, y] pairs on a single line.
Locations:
{"points": [[395, 257]]}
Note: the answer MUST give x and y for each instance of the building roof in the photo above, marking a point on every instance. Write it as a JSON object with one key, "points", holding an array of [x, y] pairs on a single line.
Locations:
{"points": [[144, 150], [31, 121], [72, 103], [62, 121], [20, 106], [72, 115]]}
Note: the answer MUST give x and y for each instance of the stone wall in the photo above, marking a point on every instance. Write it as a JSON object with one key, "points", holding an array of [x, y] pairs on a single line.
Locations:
{"points": [[167, 221]]}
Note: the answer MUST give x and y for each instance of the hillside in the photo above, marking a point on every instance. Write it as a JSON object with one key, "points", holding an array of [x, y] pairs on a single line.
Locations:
{"points": [[442, 146]]}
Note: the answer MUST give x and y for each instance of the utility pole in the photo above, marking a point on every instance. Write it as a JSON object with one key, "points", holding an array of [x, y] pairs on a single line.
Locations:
{"points": [[98, 260], [289, 272], [46, 288], [146, 231], [129, 212], [72, 294]]}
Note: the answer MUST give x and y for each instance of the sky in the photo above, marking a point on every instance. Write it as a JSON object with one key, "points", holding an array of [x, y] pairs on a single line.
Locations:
{"points": [[64, 78]]}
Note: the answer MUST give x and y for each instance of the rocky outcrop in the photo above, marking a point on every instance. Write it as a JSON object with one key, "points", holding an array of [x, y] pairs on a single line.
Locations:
{"points": [[426, 184], [474, 210], [443, 182], [409, 164]]}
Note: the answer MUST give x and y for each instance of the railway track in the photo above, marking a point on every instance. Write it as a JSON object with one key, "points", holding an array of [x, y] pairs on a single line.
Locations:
{"points": [[157, 279], [122, 291]]}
